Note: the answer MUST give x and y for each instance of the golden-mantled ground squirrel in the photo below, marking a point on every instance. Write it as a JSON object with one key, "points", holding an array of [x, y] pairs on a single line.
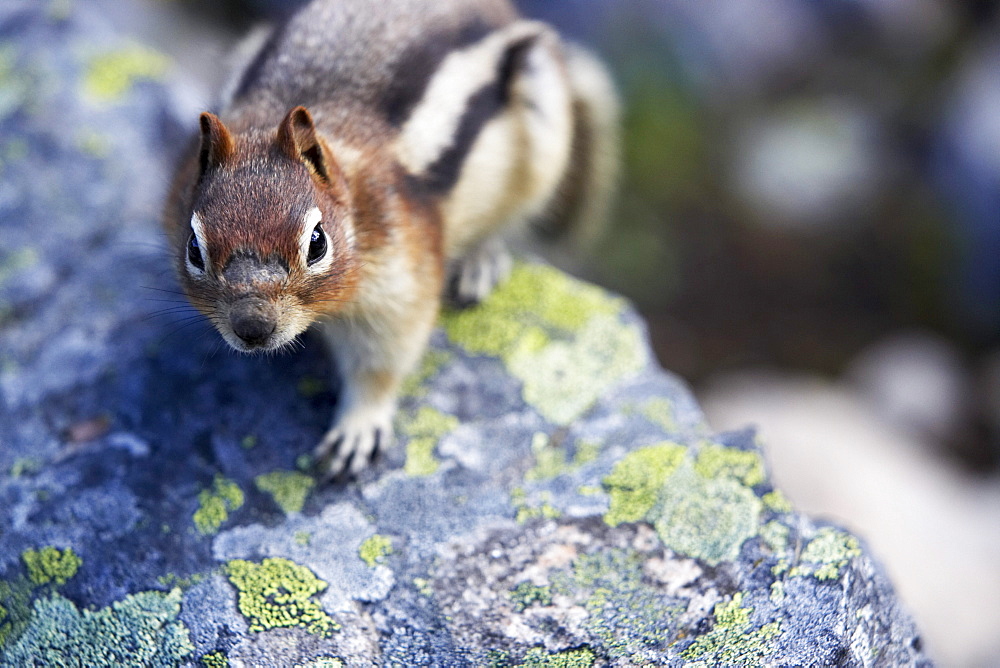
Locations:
{"points": [[368, 156]]}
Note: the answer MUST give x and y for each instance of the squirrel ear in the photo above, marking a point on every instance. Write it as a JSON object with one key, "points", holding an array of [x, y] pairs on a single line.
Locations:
{"points": [[297, 138], [217, 143]]}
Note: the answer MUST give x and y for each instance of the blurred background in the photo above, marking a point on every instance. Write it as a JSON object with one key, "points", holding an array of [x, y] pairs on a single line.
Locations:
{"points": [[809, 220]]}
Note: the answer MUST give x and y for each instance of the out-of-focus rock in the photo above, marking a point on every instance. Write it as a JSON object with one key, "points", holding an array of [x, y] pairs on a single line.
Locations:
{"points": [[554, 497]]}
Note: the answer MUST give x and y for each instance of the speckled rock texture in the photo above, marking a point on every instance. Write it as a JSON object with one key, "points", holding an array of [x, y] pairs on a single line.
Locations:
{"points": [[554, 498]]}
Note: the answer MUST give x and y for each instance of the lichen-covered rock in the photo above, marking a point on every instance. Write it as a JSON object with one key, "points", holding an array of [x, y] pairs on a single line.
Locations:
{"points": [[554, 499]]}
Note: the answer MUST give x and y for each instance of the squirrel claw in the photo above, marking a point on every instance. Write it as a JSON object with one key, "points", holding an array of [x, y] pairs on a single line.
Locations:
{"points": [[475, 275], [351, 445]]}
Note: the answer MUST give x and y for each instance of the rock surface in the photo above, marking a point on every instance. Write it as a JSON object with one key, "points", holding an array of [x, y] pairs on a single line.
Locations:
{"points": [[555, 499]]}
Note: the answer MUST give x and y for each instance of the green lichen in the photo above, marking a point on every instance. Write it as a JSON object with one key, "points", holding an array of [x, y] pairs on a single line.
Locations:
{"points": [[706, 518], [565, 378], [51, 564], [660, 411], [550, 460], [526, 594], [424, 428], [778, 592], [172, 580], [538, 507], [215, 504], [715, 461], [733, 641], [623, 612], [635, 482], [278, 593], [15, 600], [323, 662], [248, 442], [562, 338], [288, 488], [586, 452], [215, 660], [141, 630], [775, 536], [777, 502], [414, 385], [828, 552], [25, 466], [303, 538], [375, 549], [111, 75], [571, 658]]}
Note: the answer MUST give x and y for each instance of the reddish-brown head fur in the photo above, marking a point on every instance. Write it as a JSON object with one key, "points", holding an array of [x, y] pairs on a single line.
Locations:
{"points": [[272, 231]]}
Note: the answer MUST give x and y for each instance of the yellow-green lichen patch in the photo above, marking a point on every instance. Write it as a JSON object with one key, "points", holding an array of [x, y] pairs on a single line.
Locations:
{"points": [[277, 593], [414, 385], [51, 564], [563, 379], [111, 75], [215, 660], [828, 552], [172, 580], [538, 507], [571, 658], [144, 629], [289, 489], [715, 461], [248, 442], [775, 536], [635, 482], [550, 459], [660, 411], [323, 662], [375, 549], [732, 641], [777, 502], [526, 594], [215, 504], [707, 518], [562, 338], [303, 538], [424, 428]]}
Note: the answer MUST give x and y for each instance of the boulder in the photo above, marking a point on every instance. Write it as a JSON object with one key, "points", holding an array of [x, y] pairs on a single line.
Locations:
{"points": [[554, 498]]}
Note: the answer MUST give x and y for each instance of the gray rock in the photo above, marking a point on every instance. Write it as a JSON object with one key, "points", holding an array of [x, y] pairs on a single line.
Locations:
{"points": [[554, 497]]}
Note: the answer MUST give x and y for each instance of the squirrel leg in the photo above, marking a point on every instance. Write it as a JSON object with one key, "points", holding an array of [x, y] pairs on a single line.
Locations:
{"points": [[372, 358], [473, 276]]}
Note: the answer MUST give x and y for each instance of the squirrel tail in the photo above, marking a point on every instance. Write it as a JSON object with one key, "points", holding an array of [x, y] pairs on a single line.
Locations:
{"points": [[580, 207]]}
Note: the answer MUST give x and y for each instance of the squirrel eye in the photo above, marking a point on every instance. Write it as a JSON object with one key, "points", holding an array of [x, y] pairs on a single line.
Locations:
{"points": [[194, 253], [317, 246]]}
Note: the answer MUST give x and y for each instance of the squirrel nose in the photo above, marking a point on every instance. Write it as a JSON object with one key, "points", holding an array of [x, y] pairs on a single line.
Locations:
{"points": [[253, 320]]}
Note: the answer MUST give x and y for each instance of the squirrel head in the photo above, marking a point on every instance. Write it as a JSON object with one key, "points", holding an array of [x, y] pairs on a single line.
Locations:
{"points": [[271, 244]]}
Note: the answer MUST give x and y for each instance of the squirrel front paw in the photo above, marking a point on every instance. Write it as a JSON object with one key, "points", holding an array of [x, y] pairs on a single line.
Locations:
{"points": [[354, 442], [475, 275]]}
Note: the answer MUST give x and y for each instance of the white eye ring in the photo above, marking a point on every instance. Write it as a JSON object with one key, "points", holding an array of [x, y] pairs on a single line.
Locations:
{"points": [[198, 229]]}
